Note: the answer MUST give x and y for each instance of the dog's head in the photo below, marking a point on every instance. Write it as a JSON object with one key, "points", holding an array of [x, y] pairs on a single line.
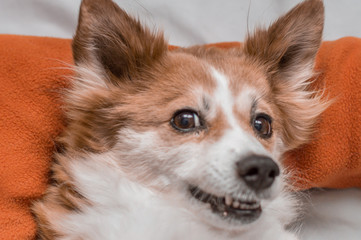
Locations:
{"points": [[208, 123]]}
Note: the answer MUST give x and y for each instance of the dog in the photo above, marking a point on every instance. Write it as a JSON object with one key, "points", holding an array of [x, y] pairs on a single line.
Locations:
{"points": [[185, 143]]}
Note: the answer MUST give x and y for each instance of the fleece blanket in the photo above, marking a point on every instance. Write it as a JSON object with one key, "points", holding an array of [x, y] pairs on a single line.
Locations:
{"points": [[33, 72]]}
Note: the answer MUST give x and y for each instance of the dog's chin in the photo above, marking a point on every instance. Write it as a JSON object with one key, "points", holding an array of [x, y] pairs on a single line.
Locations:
{"points": [[223, 211]]}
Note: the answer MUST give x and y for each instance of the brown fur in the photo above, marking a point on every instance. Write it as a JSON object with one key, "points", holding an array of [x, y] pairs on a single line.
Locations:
{"points": [[284, 49], [145, 84]]}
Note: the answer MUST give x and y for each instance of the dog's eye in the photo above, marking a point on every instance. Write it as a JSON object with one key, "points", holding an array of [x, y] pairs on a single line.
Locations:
{"points": [[186, 120], [262, 125]]}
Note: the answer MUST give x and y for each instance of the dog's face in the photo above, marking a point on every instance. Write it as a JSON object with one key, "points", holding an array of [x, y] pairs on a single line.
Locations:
{"points": [[206, 123]]}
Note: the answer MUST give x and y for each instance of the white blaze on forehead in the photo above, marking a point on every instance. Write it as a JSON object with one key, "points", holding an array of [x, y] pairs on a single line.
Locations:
{"points": [[235, 141], [223, 96]]}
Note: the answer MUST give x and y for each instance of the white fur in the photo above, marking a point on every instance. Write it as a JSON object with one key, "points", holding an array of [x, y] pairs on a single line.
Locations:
{"points": [[123, 209], [234, 145], [239, 142], [223, 96]]}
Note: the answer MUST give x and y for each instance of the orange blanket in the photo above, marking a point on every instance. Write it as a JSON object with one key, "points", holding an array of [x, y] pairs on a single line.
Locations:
{"points": [[31, 78]]}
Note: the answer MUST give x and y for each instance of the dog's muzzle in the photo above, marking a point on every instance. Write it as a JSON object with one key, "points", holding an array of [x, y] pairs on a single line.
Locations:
{"points": [[258, 173]]}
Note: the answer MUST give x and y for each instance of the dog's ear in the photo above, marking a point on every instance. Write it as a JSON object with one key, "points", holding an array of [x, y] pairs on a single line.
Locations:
{"points": [[112, 44], [287, 50], [110, 51], [289, 46]]}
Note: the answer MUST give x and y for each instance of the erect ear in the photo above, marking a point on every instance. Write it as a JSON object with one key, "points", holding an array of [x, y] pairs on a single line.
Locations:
{"points": [[112, 44], [287, 50], [110, 49], [289, 46]]}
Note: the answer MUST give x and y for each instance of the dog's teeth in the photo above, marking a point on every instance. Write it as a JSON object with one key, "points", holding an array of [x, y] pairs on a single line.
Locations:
{"points": [[228, 200], [245, 206], [249, 206], [235, 204]]}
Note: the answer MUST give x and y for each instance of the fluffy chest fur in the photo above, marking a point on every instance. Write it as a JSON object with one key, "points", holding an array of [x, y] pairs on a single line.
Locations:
{"points": [[121, 208]]}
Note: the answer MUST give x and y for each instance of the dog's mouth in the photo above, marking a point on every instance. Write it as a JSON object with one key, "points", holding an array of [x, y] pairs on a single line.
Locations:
{"points": [[227, 207]]}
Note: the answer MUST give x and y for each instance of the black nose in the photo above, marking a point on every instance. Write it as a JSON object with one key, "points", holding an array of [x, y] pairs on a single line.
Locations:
{"points": [[258, 172]]}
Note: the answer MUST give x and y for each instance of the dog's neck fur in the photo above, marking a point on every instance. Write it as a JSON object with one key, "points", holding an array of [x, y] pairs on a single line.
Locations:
{"points": [[123, 208]]}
